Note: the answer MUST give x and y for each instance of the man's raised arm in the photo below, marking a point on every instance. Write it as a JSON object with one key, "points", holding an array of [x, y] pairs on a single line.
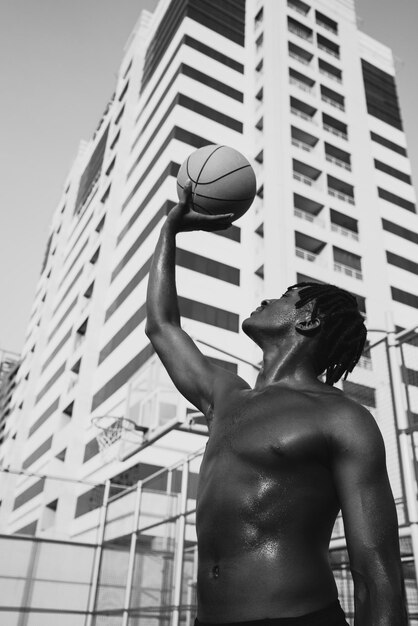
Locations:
{"points": [[191, 372]]}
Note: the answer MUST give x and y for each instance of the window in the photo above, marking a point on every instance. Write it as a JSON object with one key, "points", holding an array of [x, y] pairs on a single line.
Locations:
{"points": [[45, 415], [198, 263], [404, 297], [340, 189], [334, 126], [347, 262], [387, 169], [330, 70], [301, 55], [303, 140], [326, 22], [328, 46], [29, 493], [388, 144], [400, 261], [115, 140], [344, 225], [333, 98], [91, 173], [299, 6], [125, 89], [400, 231], [337, 156], [299, 29], [360, 393], [259, 42], [301, 109], [300, 80], [259, 18], [127, 69], [394, 199], [305, 173], [381, 95], [40, 451], [119, 117]]}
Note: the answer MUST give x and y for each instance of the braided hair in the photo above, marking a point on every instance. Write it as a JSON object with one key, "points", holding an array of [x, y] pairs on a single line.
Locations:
{"points": [[343, 330]]}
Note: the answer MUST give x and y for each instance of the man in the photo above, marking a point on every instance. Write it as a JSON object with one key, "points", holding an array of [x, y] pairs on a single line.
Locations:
{"points": [[282, 458]]}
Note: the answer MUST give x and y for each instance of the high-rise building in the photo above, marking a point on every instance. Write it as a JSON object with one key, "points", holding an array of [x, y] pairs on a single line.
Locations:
{"points": [[312, 102], [9, 365]]}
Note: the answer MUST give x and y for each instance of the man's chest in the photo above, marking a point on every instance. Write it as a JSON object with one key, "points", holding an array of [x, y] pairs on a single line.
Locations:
{"points": [[267, 429]]}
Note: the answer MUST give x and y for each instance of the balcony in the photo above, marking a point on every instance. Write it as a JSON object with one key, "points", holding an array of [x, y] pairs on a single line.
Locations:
{"points": [[340, 189], [344, 225], [328, 46], [306, 255], [301, 81], [330, 71], [299, 6], [340, 195], [332, 102], [302, 110], [299, 29], [332, 159], [309, 217], [334, 126], [345, 232], [325, 22], [305, 174], [302, 140], [348, 271], [307, 247], [299, 54]]}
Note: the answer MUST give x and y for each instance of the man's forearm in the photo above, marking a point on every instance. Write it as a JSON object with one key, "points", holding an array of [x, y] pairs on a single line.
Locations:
{"points": [[162, 304], [379, 605]]}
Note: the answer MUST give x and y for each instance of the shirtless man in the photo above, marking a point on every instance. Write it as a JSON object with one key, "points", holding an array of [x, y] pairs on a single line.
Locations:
{"points": [[282, 459]]}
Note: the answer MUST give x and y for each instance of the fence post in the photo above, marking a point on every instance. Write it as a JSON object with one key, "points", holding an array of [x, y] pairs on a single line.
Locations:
{"points": [[405, 448], [132, 551], [98, 554], [179, 549]]}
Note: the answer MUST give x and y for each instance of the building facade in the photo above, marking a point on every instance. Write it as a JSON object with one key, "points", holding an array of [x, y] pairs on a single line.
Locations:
{"points": [[312, 102]]}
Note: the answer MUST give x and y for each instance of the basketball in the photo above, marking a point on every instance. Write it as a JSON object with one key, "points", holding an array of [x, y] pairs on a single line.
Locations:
{"points": [[223, 181]]}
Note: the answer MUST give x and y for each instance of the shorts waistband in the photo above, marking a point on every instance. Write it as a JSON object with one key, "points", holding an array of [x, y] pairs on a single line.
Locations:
{"points": [[330, 615]]}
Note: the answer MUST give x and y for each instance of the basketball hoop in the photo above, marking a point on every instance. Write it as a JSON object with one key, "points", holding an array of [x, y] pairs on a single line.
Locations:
{"points": [[114, 432]]}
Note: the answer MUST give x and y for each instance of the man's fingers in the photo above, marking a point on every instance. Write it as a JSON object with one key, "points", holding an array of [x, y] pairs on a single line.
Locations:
{"points": [[186, 192]]}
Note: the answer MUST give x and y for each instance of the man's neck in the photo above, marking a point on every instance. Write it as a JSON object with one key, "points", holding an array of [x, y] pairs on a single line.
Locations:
{"points": [[286, 364]]}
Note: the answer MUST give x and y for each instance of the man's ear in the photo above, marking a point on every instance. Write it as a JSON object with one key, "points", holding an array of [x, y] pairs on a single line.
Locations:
{"points": [[308, 327]]}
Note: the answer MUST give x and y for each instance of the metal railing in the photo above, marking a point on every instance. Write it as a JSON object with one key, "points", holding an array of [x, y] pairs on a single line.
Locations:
{"points": [[339, 162], [345, 232], [305, 254], [300, 84], [309, 217], [340, 195], [332, 102], [348, 271], [335, 131]]}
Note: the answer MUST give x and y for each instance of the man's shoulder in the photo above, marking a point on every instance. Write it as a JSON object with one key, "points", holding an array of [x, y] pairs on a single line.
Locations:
{"points": [[350, 426]]}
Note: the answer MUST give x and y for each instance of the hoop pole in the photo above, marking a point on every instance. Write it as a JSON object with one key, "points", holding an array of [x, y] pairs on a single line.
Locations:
{"points": [[132, 551], [179, 550], [98, 554]]}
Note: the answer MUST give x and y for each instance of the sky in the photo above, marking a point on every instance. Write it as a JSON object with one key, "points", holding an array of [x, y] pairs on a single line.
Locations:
{"points": [[58, 66]]}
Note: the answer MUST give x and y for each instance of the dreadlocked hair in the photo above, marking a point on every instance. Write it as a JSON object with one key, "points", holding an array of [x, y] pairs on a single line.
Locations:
{"points": [[343, 330]]}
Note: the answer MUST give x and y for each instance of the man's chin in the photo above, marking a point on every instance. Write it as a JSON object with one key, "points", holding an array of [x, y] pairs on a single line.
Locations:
{"points": [[247, 326]]}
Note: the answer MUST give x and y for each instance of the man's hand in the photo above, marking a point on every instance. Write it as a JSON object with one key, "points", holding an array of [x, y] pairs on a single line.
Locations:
{"points": [[183, 217]]}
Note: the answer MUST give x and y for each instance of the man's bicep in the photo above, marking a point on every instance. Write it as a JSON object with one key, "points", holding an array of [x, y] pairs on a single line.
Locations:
{"points": [[191, 371]]}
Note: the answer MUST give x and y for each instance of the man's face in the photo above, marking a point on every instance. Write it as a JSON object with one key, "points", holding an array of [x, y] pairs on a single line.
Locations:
{"points": [[274, 315]]}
